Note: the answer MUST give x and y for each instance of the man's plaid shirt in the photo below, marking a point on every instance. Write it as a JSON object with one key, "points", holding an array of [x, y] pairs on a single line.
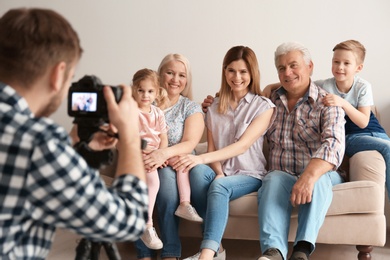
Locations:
{"points": [[310, 130], [45, 184]]}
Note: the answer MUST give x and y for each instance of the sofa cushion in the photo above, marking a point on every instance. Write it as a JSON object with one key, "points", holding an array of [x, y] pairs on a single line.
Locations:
{"points": [[356, 197], [345, 196]]}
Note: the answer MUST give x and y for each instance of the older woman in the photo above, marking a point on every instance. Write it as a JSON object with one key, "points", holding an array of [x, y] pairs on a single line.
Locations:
{"points": [[184, 118]]}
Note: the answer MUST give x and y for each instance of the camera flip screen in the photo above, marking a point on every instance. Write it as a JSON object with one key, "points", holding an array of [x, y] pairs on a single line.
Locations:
{"points": [[84, 101]]}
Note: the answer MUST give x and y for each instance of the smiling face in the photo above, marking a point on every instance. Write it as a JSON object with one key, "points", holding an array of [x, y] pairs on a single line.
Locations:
{"points": [[238, 77], [345, 66], [174, 79], [145, 94], [294, 73]]}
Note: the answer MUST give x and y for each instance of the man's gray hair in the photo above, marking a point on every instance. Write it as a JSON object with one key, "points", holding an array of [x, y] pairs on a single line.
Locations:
{"points": [[287, 47]]}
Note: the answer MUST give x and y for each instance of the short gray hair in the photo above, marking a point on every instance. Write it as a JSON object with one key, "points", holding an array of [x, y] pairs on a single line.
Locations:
{"points": [[287, 47]]}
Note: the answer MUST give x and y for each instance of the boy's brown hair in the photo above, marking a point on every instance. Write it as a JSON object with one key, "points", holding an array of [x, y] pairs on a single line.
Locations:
{"points": [[356, 47]]}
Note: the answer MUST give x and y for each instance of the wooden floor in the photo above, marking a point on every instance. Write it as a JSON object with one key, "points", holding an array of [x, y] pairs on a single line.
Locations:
{"points": [[66, 242]]}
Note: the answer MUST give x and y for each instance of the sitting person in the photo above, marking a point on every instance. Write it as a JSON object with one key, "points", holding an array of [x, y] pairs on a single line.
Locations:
{"points": [[236, 123], [307, 142], [185, 122]]}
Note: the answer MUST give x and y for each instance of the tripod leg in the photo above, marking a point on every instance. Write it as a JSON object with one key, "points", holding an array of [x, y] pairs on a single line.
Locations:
{"points": [[83, 250], [95, 250], [112, 251]]}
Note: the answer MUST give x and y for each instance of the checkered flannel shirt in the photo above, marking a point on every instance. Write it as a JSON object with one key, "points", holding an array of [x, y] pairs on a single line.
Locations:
{"points": [[45, 184]]}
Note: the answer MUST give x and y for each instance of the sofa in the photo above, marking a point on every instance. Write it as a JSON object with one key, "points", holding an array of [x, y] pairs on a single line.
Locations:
{"points": [[355, 217]]}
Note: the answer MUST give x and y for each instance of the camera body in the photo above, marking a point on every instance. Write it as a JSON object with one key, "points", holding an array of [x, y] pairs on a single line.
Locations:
{"points": [[86, 99]]}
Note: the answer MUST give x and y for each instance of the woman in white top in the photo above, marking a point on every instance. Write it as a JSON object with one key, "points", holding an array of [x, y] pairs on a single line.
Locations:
{"points": [[236, 123]]}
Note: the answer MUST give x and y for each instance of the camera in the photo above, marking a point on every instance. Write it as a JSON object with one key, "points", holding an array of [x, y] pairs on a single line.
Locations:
{"points": [[87, 105], [86, 99]]}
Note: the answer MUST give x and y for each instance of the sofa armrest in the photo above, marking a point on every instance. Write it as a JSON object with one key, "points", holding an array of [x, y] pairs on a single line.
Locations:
{"points": [[368, 165]]}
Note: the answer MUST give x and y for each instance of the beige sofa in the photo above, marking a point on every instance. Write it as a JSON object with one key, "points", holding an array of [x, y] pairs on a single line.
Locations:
{"points": [[355, 217]]}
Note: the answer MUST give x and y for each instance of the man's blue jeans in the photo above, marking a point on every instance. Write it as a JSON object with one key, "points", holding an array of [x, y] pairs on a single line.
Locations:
{"points": [[167, 202], [219, 193], [371, 141], [274, 209]]}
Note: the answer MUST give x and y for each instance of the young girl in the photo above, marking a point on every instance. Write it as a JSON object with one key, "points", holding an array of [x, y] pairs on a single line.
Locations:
{"points": [[146, 92], [153, 129]]}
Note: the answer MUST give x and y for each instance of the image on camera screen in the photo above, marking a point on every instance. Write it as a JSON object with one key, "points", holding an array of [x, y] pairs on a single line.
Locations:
{"points": [[84, 101]]}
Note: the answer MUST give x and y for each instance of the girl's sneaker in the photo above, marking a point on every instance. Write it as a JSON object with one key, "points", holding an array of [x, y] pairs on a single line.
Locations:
{"points": [[151, 240], [188, 212]]}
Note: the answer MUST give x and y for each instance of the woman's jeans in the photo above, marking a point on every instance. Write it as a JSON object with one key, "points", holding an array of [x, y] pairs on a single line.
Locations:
{"points": [[371, 141], [167, 202], [219, 193], [274, 209]]}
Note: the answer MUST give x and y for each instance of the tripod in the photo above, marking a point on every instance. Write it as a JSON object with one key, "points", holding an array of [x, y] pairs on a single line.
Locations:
{"points": [[87, 249], [90, 250]]}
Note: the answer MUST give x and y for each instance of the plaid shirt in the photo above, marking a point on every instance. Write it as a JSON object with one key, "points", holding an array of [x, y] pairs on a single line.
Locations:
{"points": [[310, 130], [45, 184]]}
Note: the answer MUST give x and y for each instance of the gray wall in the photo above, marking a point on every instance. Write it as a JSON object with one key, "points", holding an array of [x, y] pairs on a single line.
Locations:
{"points": [[121, 36]]}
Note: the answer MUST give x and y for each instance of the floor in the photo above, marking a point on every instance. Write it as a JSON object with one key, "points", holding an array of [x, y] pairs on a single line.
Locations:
{"points": [[65, 243]]}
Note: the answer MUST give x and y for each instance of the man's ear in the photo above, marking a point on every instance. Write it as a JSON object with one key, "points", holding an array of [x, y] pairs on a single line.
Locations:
{"points": [[57, 76], [311, 67]]}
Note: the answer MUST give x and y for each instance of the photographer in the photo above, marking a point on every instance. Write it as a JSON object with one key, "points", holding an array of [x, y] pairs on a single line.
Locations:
{"points": [[44, 182]]}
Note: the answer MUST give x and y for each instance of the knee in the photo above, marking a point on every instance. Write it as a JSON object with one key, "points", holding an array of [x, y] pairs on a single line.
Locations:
{"points": [[201, 172], [218, 187], [276, 182]]}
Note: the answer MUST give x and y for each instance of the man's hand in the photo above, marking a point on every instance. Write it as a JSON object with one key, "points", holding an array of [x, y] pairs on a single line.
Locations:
{"points": [[302, 191], [123, 115], [104, 139], [207, 102]]}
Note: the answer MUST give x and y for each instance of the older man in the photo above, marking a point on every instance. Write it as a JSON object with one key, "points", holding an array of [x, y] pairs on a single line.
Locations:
{"points": [[307, 145]]}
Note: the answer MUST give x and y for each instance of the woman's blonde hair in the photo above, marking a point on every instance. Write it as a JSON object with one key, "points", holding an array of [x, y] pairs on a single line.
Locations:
{"points": [[162, 100], [249, 57], [187, 91]]}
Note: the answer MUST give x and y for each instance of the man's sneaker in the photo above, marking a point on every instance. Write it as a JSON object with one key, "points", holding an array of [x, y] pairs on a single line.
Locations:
{"points": [[298, 255], [151, 240], [188, 212], [220, 256], [271, 254]]}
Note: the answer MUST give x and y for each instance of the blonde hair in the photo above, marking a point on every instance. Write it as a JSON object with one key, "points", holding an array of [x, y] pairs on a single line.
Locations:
{"points": [[356, 47], [187, 91], [162, 100], [249, 57]]}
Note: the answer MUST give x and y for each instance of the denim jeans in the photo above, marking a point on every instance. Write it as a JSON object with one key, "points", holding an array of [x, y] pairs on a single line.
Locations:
{"points": [[371, 141], [219, 193], [274, 209], [167, 202]]}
